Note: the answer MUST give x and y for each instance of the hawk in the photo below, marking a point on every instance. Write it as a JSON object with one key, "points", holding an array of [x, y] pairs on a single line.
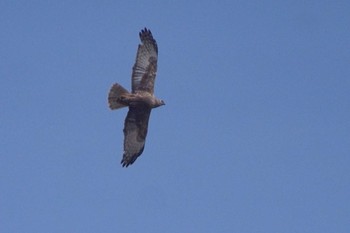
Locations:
{"points": [[140, 101]]}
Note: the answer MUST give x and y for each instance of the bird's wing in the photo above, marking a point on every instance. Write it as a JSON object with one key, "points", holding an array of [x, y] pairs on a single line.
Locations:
{"points": [[145, 68], [135, 132]]}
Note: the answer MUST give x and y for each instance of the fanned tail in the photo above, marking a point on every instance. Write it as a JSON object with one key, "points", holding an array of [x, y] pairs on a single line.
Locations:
{"points": [[114, 96]]}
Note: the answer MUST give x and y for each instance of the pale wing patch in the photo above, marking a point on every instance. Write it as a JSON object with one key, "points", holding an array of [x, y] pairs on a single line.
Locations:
{"points": [[140, 66], [132, 147]]}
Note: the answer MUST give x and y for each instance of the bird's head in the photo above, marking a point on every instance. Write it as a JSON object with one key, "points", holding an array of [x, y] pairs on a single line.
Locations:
{"points": [[159, 103]]}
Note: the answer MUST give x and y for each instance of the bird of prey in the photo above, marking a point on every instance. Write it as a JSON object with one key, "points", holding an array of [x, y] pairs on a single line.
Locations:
{"points": [[140, 101]]}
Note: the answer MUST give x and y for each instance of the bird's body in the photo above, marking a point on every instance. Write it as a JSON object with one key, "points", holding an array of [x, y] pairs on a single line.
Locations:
{"points": [[140, 101]]}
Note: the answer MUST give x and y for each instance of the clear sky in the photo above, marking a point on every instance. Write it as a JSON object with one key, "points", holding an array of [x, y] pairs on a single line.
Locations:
{"points": [[254, 136]]}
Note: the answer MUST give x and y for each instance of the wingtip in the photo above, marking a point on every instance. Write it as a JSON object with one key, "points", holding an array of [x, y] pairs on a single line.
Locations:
{"points": [[145, 31], [128, 160], [146, 36], [125, 163]]}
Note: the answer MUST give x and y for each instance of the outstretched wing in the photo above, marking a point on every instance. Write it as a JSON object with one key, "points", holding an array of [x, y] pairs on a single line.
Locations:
{"points": [[135, 132], [145, 68]]}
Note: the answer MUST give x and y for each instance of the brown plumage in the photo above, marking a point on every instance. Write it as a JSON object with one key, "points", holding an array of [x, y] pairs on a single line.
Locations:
{"points": [[140, 101]]}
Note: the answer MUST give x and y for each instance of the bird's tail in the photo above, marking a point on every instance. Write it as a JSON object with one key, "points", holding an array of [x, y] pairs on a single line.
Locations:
{"points": [[114, 96]]}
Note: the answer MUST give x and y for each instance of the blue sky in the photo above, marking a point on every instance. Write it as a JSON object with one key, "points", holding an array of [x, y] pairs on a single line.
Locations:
{"points": [[254, 136]]}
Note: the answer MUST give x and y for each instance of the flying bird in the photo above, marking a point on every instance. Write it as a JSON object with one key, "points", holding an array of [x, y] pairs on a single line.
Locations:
{"points": [[140, 101]]}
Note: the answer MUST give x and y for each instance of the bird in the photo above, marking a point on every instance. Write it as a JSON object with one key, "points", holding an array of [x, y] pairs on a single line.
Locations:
{"points": [[140, 100]]}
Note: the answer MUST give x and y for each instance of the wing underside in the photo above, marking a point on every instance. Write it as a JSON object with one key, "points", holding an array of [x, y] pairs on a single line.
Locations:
{"points": [[135, 132], [145, 67]]}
